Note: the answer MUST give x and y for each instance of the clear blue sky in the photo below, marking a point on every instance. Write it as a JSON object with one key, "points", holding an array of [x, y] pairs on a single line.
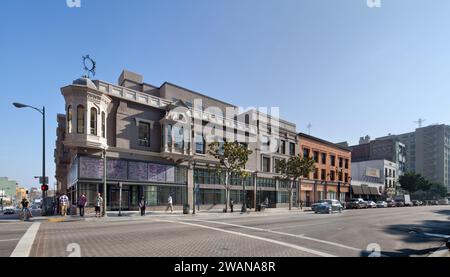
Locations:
{"points": [[345, 68]]}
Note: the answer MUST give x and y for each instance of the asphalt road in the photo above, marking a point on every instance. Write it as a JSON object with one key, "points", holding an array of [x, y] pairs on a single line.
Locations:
{"points": [[413, 231]]}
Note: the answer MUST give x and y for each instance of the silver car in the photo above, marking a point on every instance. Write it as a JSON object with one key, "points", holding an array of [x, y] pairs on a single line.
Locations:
{"points": [[382, 204], [371, 204], [329, 206]]}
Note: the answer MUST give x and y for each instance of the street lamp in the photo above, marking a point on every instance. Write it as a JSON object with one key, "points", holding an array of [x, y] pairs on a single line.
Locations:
{"points": [[44, 179]]}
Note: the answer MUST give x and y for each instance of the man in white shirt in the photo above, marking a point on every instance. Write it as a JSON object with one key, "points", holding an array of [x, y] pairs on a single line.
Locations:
{"points": [[169, 204]]}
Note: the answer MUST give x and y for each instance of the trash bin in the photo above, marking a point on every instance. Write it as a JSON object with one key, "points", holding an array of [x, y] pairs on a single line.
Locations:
{"points": [[186, 209]]}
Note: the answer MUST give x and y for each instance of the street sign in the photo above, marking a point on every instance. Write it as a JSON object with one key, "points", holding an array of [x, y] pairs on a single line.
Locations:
{"points": [[41, 180]]}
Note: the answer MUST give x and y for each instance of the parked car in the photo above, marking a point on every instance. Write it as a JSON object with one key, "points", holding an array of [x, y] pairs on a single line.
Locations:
{"points": [[8, 211], [329, 206], [391, 203], [399, 203], [313, 206], [371, 204], [417, 203], [443, 201], [357, 203], [434, 203], [382, 204]]}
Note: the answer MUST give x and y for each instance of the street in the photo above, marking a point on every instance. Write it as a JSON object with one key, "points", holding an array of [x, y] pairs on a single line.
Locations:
{"points": [[411, 231]]}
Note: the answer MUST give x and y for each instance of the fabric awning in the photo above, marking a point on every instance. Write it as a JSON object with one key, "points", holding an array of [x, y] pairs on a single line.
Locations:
{"points": [[357, 190], [365, 189], [373, 191]]}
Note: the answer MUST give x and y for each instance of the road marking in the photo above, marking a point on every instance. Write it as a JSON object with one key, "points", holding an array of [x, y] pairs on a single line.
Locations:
{"points": [[284, 234], [311, 251], [437, 235], [23, 248], [5, 240]]}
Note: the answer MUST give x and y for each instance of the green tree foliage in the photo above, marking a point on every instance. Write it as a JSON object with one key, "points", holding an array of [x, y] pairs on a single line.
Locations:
{"points": [[293, 169], [232, 157], [413, 182]]}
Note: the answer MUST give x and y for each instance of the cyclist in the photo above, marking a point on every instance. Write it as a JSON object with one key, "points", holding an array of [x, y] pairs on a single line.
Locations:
{"points": [[26, 212]]}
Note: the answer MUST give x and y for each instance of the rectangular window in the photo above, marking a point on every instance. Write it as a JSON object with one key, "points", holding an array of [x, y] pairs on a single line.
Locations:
{"points": [[199, 144], [346, 163], [276, 163], [305, 153], [266, 164], [316, 174], [341, 162], [316, 156], [283, 147], [333, 160], [292, 149], [393, 173], [323, 175], [332, 175], [324, 158], [144, 134], [346, 178]]}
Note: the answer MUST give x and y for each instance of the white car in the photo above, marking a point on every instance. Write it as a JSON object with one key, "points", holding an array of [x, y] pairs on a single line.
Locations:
{"points": [[371, 204], [382, 204]]}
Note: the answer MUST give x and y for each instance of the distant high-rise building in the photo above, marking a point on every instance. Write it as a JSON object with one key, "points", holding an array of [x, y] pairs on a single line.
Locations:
{"points": [[386, 148], [428, 152]]}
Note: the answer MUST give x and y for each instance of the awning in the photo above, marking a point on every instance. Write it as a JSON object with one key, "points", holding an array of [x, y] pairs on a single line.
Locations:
{"points": [[373, 191], [357, 190], [365, 189]]}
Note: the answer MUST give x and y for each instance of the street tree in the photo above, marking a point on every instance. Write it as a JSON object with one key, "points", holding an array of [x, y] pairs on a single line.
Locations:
{"points": [[232, 157], [293, 169], [413, 182]]}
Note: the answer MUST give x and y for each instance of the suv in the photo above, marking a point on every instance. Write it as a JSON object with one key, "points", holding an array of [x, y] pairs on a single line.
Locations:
{"points": [[357, 203]]}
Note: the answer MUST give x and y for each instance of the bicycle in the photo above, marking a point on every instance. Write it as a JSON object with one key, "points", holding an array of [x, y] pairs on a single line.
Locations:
{"points": [[25, 214]]}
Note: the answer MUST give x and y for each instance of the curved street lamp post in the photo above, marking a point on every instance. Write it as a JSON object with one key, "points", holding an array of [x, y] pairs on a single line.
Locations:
{"points": [[44, 179]]}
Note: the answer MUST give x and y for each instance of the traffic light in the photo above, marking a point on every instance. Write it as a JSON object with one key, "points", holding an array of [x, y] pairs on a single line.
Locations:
{"points": [[44, 187]]}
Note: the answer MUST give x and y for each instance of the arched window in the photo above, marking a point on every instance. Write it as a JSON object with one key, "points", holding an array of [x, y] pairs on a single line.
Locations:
{"points": [[103, 125], [69, 119], [80, 119], [93, 121]]}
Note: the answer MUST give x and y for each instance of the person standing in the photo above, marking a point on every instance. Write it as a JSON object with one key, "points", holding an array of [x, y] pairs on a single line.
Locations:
{"points": [[169, 204], [64, 202], [82, 201], [231, 204], [142, 206], [98, 204]]}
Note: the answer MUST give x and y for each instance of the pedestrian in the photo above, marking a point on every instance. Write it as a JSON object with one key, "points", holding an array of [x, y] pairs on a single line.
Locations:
{"points": [[142, 206], [98, 204], [26, 212], [64, 202], [301, 204], [231, 204], [266, 202], [169, 204], [82, 201]]}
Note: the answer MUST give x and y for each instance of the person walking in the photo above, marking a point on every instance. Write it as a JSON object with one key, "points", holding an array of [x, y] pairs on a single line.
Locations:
{"points": [[301, 204], [82, 201], [98, 204], [169, 204], [64, 202], [231, 204], [142, 205]]}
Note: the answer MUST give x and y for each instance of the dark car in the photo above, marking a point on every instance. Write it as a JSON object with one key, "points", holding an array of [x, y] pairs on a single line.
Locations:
{"points": [[391, 204], [8, 211], [399, 203], [356, 203], [417, 203], [328, 207]]}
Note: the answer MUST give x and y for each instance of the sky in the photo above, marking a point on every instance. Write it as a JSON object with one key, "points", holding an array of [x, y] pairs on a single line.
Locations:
{"points": [[348, 69]]}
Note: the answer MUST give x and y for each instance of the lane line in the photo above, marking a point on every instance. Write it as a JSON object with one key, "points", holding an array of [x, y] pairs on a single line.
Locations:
{"points": [[311, 251], [282, 233], [5, 240], [25, 244]]}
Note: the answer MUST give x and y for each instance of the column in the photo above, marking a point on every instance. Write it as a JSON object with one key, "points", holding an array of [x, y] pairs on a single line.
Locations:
{"points": [[190, 186]]}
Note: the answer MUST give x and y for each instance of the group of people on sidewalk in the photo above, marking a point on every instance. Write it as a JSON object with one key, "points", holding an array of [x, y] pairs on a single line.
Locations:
{"points": [[82, 203]]}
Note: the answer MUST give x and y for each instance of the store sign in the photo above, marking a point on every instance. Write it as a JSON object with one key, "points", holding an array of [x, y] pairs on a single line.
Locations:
{"points": [[372, 172]]}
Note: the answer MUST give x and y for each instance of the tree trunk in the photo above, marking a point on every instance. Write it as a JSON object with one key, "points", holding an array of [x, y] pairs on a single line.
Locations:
{"points": [[290, 195], [227, 189]]}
